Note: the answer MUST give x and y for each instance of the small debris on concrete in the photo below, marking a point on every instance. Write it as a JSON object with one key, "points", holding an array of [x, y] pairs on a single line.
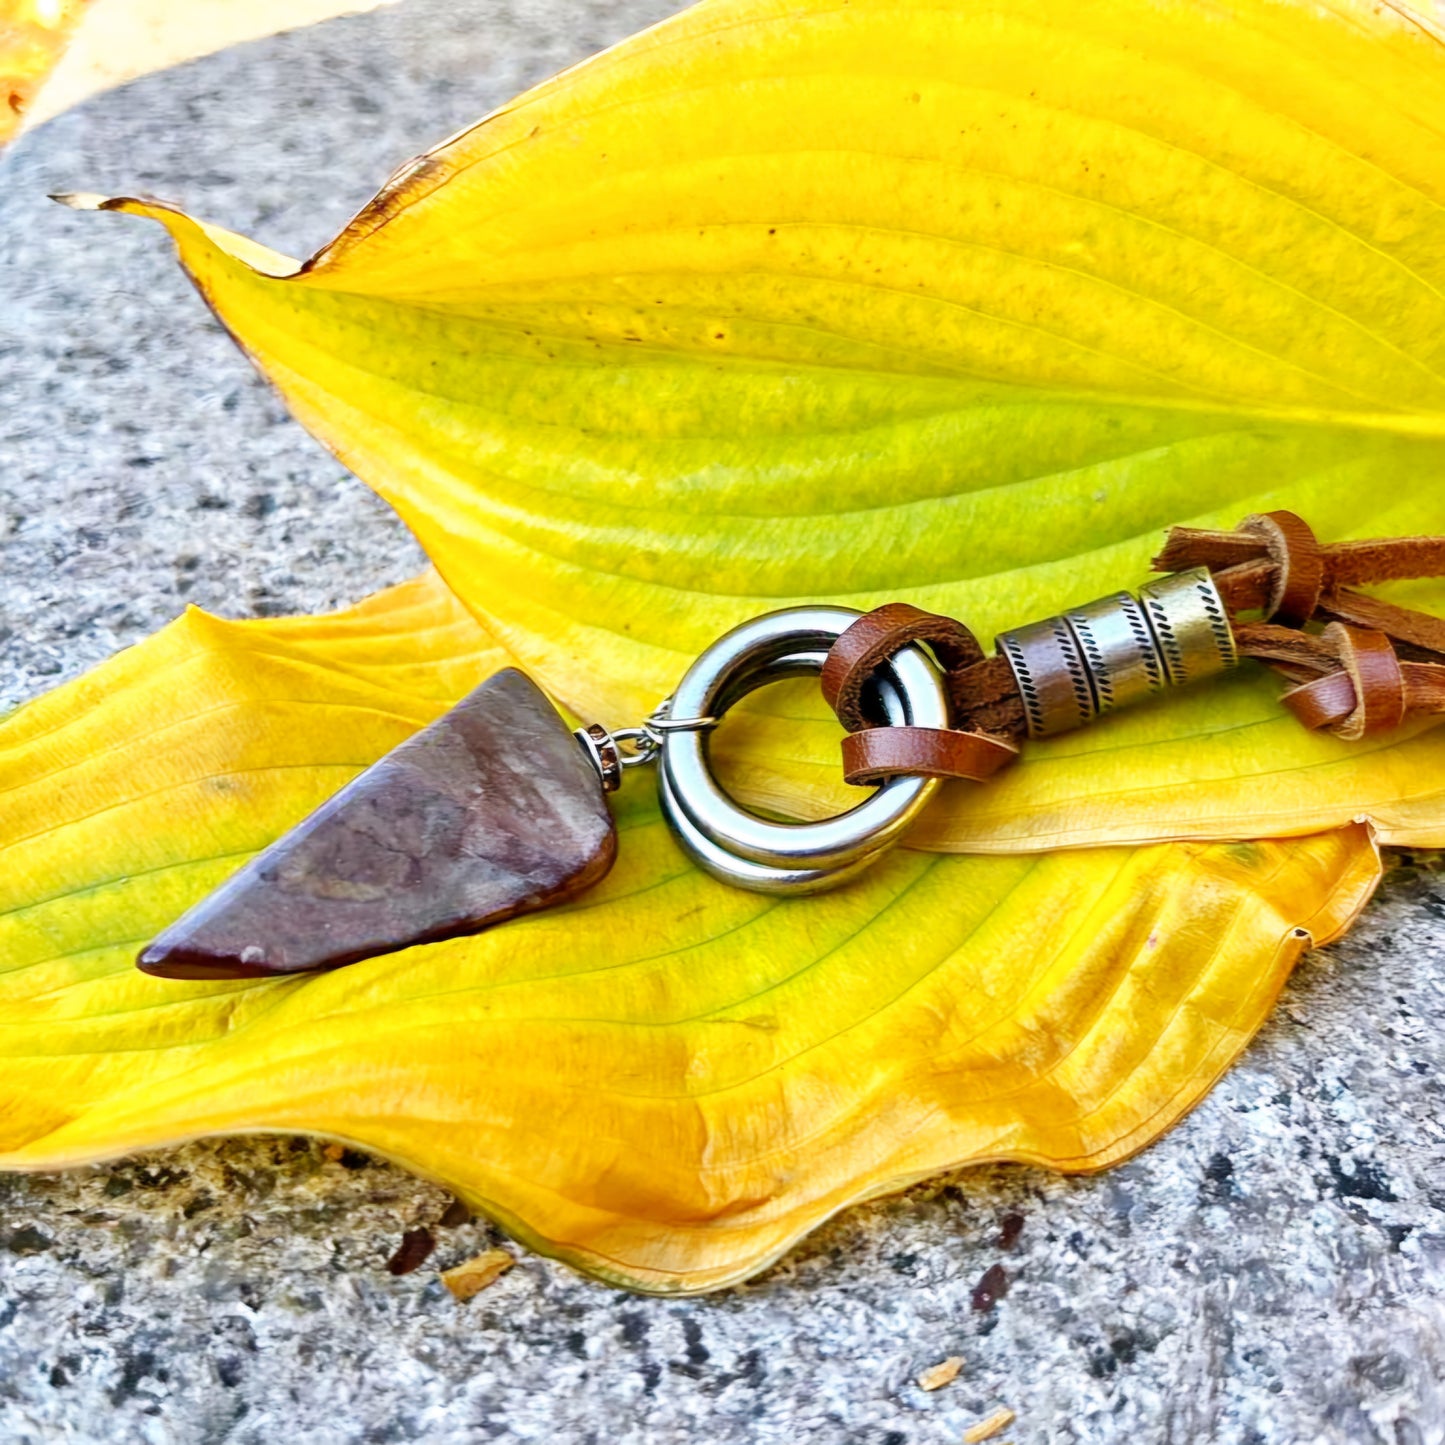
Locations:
{"points": [[1010, 1227], [456, 1215], [944, 1373], [991, 1288], [996, 1424], [472, 1276], [412, 1252], [27, 1240]]}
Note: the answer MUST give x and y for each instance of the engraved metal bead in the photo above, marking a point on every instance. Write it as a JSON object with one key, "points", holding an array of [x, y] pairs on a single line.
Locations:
{"points": [[1118, 649], [1188, 619], [1053, 678]]}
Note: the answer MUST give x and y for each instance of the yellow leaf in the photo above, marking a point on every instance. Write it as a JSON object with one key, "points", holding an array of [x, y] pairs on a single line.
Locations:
{"points": [[123, 39], [33, 34], [667, 1082], [950, 303], [130, 793]]}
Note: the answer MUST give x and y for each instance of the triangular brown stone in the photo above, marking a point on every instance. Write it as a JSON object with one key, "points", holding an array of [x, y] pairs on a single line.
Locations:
{"points": [[491, 811]]}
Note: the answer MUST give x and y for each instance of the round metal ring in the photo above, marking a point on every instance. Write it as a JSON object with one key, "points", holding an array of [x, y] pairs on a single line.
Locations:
{"points": [[759, 877], [755, 852]]}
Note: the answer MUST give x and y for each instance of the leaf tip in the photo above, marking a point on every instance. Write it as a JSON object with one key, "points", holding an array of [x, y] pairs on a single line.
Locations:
{"points": [[93, 201], [80, 200]]}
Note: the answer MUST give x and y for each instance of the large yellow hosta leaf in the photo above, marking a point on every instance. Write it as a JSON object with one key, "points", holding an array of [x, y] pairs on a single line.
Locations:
{"points": [[667, 1082], [33, 34], [953, 302]]}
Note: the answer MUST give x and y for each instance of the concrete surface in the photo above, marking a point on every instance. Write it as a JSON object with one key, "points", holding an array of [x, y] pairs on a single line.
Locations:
{"points": [[1272, 1272]]}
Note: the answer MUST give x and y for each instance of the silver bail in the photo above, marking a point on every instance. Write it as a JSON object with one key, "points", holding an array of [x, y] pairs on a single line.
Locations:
{"points": [[613, 751]]}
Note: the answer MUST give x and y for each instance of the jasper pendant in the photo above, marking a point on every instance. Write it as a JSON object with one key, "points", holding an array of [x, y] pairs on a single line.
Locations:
{"points": [[491, 811]]}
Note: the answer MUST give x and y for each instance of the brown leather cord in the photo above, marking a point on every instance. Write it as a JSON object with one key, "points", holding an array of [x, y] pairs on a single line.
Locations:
{"points": [[986, 700], [1370, 661], [1323, 703], [874, 638], [1375, 665], [1247, 563], [1299, 567], [1419, 629], [1295, 655], [1384, 559], [1375, 692], [873, 754], [1271, 561], [1424, 687], [1245, 588], [1330, 701], [877, 754], [1186, 547]]}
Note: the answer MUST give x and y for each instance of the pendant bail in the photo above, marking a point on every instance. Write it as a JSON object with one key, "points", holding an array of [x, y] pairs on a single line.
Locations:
{"points": [[605, 748], [602, 751]]}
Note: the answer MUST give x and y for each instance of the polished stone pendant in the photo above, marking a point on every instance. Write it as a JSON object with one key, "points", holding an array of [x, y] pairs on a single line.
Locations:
{"points": [[497, 809], [491, 811]]}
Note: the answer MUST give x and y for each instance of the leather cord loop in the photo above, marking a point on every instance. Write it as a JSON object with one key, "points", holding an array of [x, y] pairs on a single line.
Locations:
{"points": [[1299, 566], [875, 755], [1367, 696], [1370, 661], [1268, 565], [1376, 663], [1323, 703], [874, 638]]}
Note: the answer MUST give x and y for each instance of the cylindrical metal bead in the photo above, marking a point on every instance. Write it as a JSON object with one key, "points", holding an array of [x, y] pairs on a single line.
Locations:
{"points": [[1052, 677], [1189, 621], [1118, 649]]}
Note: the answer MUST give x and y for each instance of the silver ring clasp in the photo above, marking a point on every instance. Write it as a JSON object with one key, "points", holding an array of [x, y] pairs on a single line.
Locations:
{"points": [[757, 853]]}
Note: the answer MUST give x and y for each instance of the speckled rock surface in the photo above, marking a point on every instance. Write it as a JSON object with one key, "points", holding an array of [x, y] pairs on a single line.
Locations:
{"points": [[1272, 1273]]}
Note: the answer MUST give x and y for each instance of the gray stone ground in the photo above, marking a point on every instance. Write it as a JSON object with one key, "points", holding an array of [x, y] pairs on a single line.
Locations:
{"points": [[1273, 1271]]}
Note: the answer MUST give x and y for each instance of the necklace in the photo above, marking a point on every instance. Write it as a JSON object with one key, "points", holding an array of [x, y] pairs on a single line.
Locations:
{"points": [[498, 808]]}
